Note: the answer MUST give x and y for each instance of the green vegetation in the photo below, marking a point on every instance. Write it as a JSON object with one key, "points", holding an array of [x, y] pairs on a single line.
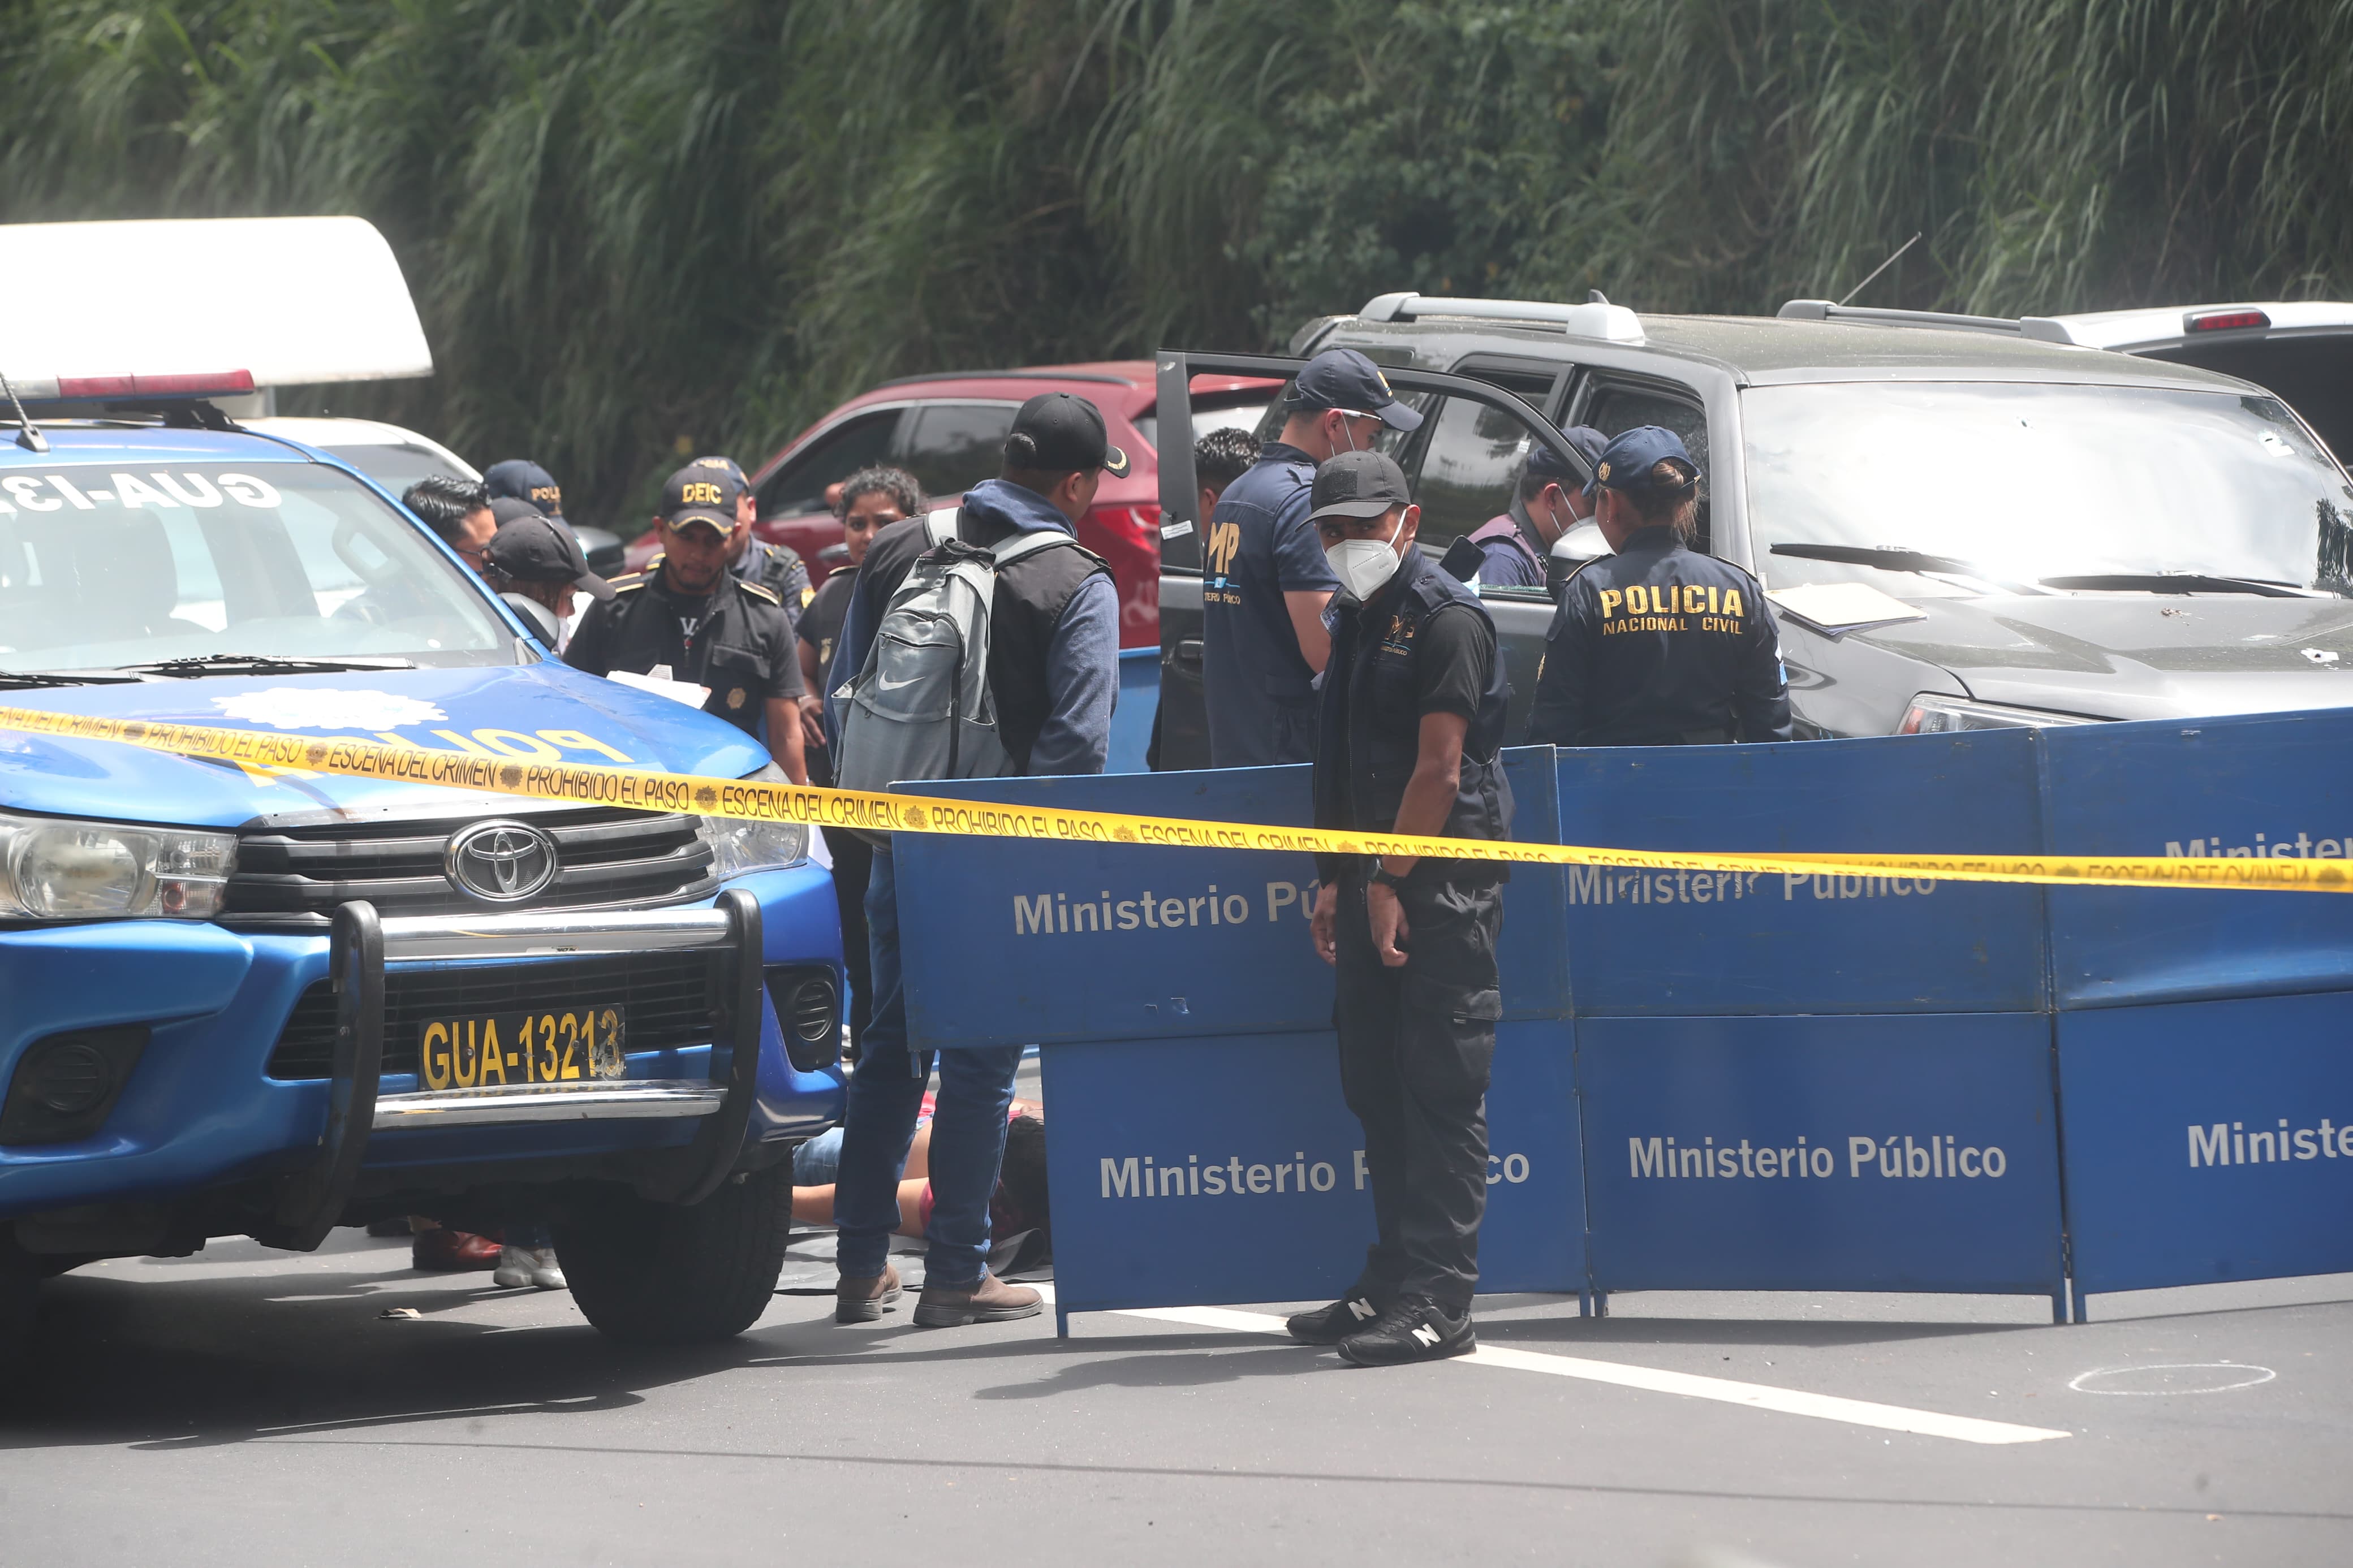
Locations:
{"points": [[638, 228]]}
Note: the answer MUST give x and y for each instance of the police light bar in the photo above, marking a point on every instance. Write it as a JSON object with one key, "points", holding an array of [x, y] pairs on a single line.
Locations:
{"points": [[135, 308], [130, 388], [2223, 321]]}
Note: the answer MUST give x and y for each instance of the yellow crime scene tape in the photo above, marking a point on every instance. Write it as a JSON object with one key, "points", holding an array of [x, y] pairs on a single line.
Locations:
{"points": [[752, 800]]}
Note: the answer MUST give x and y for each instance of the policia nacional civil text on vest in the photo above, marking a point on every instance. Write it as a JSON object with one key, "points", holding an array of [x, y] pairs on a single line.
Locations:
{"points": [[1408, 727], [1657, 645]]}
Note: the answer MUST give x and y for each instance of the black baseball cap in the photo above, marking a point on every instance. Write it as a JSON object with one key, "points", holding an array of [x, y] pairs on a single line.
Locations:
{"points": [[1346, 380], [1627, 462], [540, 550], [698, 494], [507, 509], [522, 479], [1584, 440], [1358, 485], [1067, 432], [730, 472]]}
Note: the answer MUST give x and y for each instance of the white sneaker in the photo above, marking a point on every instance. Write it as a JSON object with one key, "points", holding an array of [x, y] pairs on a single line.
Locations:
{"points": [[522, 1265]]}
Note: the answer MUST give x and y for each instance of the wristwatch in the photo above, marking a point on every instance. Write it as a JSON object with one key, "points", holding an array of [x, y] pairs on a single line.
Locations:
{"points": [[1381, 875]]}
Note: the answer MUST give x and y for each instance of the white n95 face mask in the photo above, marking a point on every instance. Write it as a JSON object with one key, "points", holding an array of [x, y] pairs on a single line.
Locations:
{"points": [[1364, 565]]}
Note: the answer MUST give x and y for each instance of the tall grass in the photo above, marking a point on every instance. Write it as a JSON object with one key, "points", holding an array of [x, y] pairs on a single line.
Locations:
{"points": [[642, 229], [2056, 155]]}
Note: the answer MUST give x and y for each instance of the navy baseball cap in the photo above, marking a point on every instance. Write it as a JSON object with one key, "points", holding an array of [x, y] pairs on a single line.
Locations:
{"points": [[697, 494], [1584, 440], [730, 472], [1358, 485], [1626, 463], [1346, 380], [1065, 434], [522, 479]]}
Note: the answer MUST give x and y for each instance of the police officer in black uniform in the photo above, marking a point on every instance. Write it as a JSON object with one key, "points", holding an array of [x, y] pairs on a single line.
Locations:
{"points": [[1657, 645], [1409, 723], [778, 568], [688, 616]]}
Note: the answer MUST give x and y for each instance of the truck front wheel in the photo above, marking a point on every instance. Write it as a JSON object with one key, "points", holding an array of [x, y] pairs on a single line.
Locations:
{"points": [[659, 1274]]}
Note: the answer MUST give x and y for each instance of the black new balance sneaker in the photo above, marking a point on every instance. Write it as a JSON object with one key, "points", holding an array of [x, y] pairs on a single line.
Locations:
{"points": [[1330, 1325], [1415, 1329]]}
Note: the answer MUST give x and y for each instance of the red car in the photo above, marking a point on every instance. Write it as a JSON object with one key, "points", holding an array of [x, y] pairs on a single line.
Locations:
{"points": [[948, 430]]}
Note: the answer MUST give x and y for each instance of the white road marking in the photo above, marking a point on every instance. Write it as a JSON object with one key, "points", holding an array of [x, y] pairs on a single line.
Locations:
{"points": [[1689, 1386], [2234, 1374]]}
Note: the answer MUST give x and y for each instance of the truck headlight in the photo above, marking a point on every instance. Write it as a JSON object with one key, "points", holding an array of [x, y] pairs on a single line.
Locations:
{"points": [[1933, 715], [56, 869], [737, 847], [740, 846]]}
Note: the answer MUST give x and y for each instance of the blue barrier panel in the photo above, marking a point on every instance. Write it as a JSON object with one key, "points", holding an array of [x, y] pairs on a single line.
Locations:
{"points": [[1184, 1022], [1227, 1169], [1681, 943], [1909, 1153], [1028, 941], [2209, 1140], [2264, 785]]}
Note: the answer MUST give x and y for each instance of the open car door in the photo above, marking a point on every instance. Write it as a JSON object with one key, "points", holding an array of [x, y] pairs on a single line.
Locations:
{"points": [[1467, 454]]}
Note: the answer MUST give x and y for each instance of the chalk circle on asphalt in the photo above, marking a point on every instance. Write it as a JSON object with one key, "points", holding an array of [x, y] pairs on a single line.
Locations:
{"points": [[2171, 1377]]}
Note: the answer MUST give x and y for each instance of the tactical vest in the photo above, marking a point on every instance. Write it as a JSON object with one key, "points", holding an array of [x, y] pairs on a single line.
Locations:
{"points": [[1507, 527], [1382, 717]]}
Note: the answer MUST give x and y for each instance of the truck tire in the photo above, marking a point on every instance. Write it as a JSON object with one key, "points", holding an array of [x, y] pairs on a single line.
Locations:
{"points": [[20, 1296], [659, 1274]]}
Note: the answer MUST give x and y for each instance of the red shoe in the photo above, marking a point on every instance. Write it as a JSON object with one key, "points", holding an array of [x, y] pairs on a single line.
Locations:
{"points": [[447, 1251]]}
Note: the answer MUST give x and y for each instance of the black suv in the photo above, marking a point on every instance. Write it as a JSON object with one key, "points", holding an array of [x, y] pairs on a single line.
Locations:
{"points": [[2046, 534]]}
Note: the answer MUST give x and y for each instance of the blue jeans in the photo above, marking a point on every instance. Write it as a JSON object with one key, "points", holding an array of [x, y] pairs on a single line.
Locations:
{"points": [[886, 1094]]}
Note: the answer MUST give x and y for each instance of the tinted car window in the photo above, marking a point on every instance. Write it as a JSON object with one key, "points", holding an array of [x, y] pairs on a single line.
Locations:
{"points": [[104, 567], [396, 468], [2092, 480], [2314, 374], [1249, 416], [1614, 410], [1470, 465], [955, 445], [800, 485], [1394, 442]]}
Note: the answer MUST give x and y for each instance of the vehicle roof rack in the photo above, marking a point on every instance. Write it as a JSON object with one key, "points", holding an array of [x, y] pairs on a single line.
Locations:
{"points": [[2042, 329], [1597, 317]]}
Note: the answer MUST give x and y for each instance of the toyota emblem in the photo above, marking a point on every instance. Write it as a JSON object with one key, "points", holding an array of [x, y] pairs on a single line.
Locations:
{"points": [[499, 862]]}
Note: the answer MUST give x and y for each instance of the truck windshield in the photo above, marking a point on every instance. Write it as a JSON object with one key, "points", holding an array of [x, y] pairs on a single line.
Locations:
{"points": [[2029, 483], [108, 565]]}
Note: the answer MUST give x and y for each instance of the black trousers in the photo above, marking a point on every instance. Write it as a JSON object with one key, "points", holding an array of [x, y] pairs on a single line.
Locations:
{"points": [[1416, 1046], [853, 858]]}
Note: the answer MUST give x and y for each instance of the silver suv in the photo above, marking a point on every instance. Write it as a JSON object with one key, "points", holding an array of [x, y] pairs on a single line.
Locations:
{"points": [[2050, 532]]}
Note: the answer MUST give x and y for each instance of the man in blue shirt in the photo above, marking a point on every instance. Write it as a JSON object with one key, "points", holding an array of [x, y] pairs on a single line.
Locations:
{"points": [[1265, 583], [1053, 674]]}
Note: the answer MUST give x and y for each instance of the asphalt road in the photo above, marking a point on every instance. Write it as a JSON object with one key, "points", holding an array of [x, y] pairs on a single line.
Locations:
{"points": [[256, 1408]]}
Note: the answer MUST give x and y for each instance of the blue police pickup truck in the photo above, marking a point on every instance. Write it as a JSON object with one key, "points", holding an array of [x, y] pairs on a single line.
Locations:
{"points": [[264, 1003]]}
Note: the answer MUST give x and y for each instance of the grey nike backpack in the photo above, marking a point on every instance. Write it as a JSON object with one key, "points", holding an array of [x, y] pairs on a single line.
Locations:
{"points": [[920, 706]]}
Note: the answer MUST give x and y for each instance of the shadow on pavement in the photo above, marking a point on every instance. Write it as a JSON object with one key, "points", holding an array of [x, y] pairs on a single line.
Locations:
{"points": [[198, 1362]]}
